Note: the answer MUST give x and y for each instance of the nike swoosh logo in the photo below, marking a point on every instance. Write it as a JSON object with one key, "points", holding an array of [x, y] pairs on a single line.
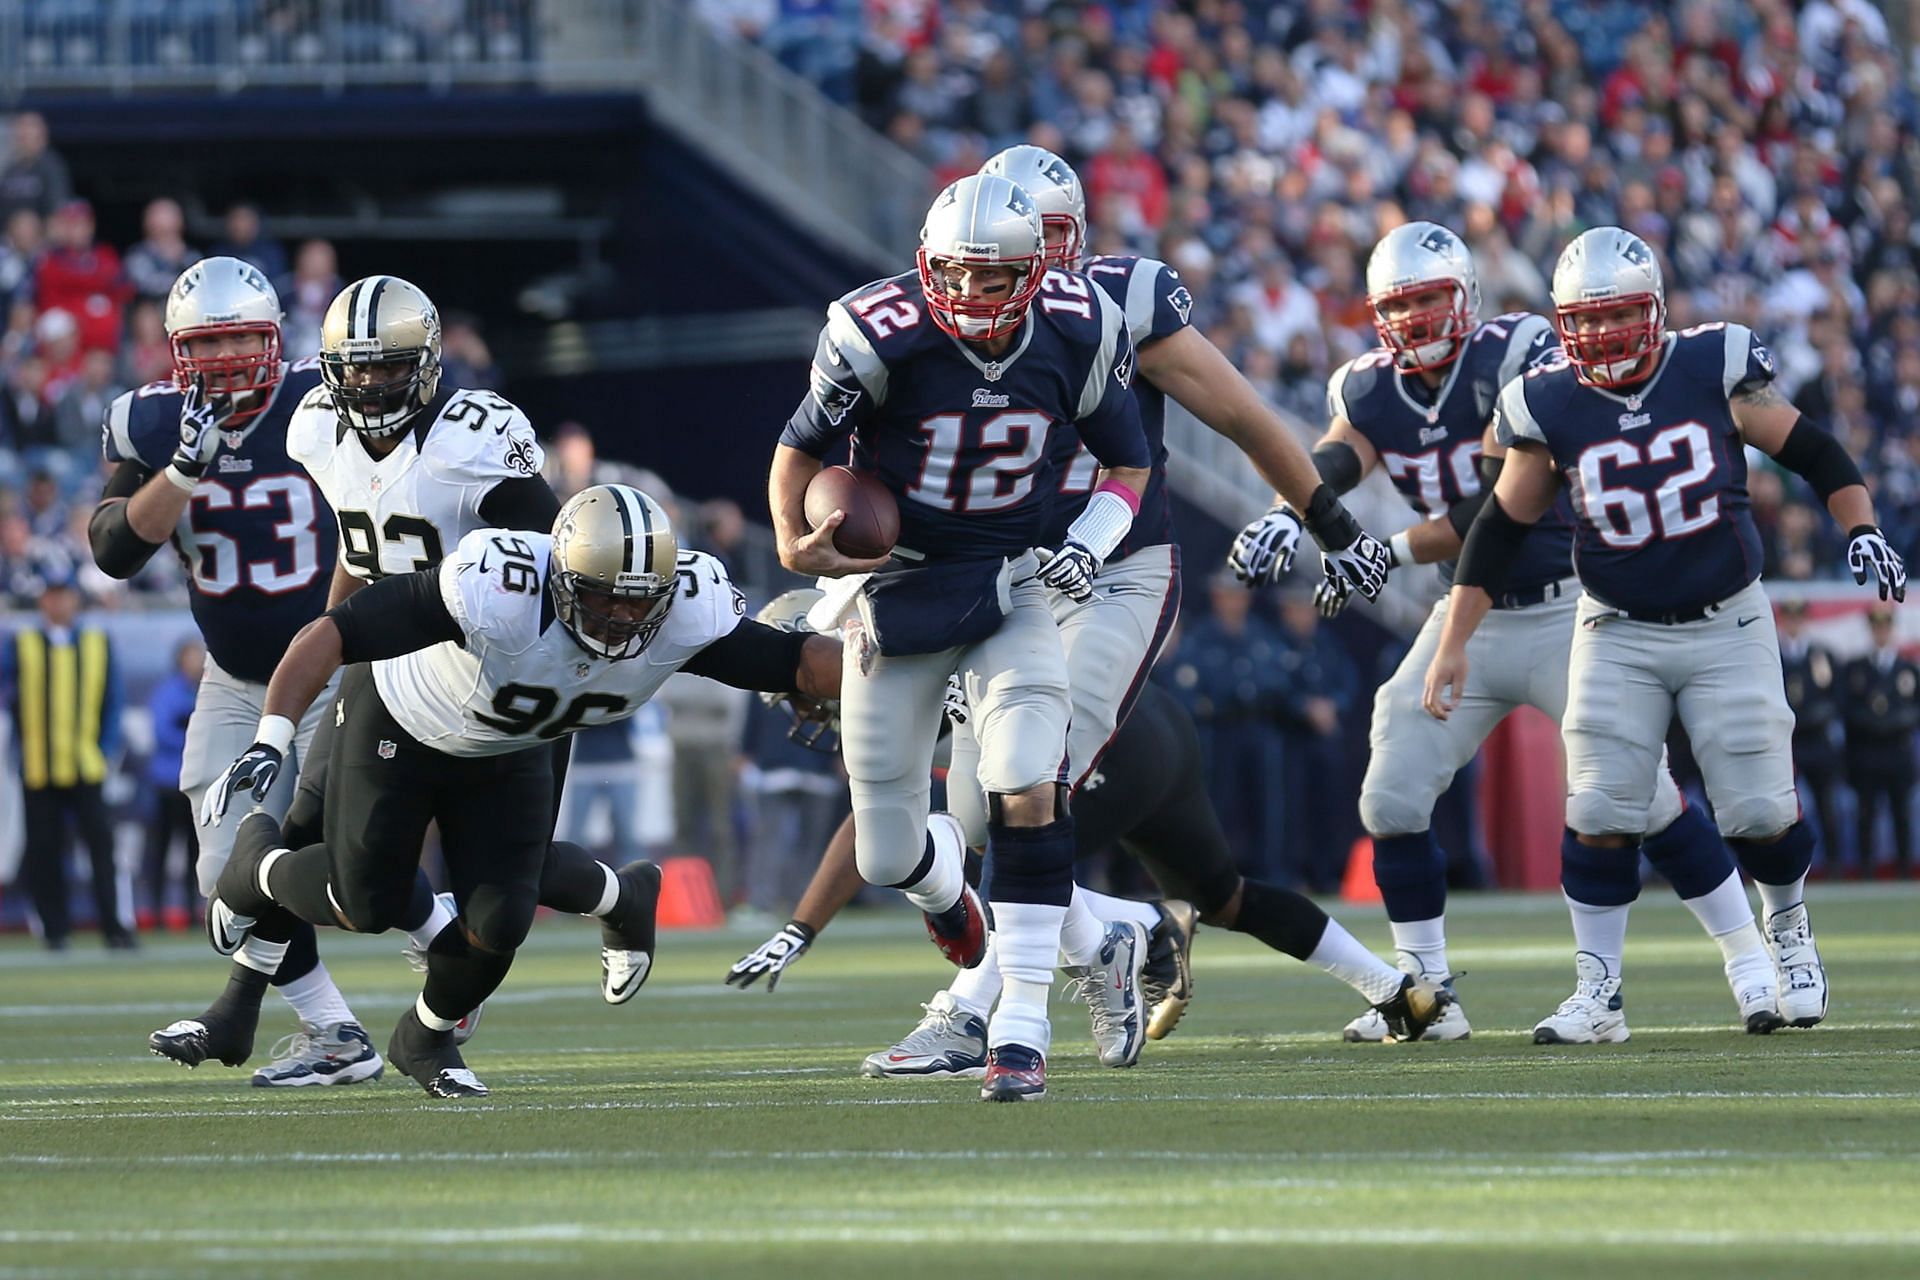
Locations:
{"points": [[638, 976], [1744, 621]]}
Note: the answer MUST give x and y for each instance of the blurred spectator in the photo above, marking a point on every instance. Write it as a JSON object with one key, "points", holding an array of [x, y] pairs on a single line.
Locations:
{"points": [[19, 254], [147, 356], [1814, 692], [26, 420], [602, 774], [34, 176], [307, 294], [61, 771], [1228, 672], [82, 278], [20, 561], [1883, 710], [465, 356], [83, 405], [57, 345], [163, 252], [246, 240], [45, 510], [704, 721], [169, 706], [1320, 686]]}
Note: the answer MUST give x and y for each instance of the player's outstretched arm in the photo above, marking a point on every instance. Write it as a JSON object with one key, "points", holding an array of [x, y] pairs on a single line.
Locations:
{"points": [[768, 659], [1351, 558], [1188, 367], [1527, 485], [836, 882], [1773, 426]]}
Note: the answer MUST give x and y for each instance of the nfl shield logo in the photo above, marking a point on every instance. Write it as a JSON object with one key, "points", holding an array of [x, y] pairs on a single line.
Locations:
{"points": [[582, 669], [386, 748]]}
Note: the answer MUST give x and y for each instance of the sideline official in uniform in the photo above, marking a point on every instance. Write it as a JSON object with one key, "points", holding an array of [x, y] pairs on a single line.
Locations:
{"points": [[64, 691]]}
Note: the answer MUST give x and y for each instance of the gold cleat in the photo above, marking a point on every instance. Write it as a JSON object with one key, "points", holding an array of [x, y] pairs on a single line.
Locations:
{"points": [[1167, 980]]}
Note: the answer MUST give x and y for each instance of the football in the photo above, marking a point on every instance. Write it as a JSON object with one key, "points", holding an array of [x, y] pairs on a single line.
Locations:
{"points": [[873, 517]]}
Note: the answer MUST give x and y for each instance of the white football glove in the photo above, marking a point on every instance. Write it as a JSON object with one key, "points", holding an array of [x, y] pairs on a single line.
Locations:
{"points": [[256, 769], [1070, 571], [1263, 552], [1361, 565], [771, 957], [954, 703], [1870, 555], [1332, 596], [200, 419]]}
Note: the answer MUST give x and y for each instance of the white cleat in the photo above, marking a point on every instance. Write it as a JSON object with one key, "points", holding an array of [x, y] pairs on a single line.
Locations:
{"points": [[1593, 1014], [622, 973], [1803, 979], [1371, 1028], [946, 1043], [1110, 989]]}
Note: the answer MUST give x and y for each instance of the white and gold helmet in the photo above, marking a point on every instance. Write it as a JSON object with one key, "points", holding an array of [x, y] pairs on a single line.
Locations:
{"points": [[1055, 190], [223, 298], [816, 721], [614, 569], [380, 354]]}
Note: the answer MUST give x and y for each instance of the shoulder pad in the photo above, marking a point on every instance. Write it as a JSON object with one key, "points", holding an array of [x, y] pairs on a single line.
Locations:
{"points": [[1355, 382], [494, 585], [481, 437], [143, 425], [890, 315], [1106, 332], [1530, 399], [1156, 302], [1529, 338], [708, 605], [313, 428]]}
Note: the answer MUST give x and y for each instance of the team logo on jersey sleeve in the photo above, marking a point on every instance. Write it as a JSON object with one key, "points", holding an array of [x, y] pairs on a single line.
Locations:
{"points": [[1763, 358], [520, 456], [835, 401], [1182, 303]]}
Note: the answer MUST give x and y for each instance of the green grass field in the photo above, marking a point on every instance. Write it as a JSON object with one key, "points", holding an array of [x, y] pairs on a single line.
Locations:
{"points": [[705, 1131]]}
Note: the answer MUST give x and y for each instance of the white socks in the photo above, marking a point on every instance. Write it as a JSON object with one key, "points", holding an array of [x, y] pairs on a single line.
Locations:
{"points": [[1775, 898], [1026, 940], [1081, 931], [437, 919], [609, 896], [1341, 955], [1601, 931], [316, 1000], [262, 956], [1425, 941], [433, 1021], [975, 990], [1110, 908], [941, 886]]}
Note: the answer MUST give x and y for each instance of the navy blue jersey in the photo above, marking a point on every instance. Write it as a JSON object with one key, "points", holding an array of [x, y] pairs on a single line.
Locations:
{"points": [[257, 539], [1156, 304], [1429, 439], [965, 442], [1659, 476]]}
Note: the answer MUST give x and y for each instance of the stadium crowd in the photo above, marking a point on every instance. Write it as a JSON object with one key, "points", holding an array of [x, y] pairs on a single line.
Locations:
{"points": [[1766, 150]]}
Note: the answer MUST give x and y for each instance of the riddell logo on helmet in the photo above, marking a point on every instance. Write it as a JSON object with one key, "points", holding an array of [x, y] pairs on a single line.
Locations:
{"points": [[989, 251]]}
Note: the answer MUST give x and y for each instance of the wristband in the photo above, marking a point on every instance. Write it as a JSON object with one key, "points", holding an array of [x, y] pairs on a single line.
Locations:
{"points": [[1104, 524], [806, 931], [1401, 547], [276, 732], [179, 479]]}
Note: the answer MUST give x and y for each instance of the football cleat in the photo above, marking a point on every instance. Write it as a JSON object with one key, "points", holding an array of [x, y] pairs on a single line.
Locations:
{"points": [[1371, 1026], [1756, 988], [1110, 989], [961, 930], [1015, 1073], [340, 1054], [1593, 1014], [416, 957], [947, 1042], [1803, 979], [1166, 980], [223, 1035], [1415, 1008], [431, 1059], [626, 947], [237, 899]]}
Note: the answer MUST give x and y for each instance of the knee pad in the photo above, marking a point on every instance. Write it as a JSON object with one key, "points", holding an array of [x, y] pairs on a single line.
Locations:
{"points": [[1689, 852], [1599, 876], [887, 843], [1594, 812], [1781, 861], [1390, 813], [1032, 864], [497, 919], [1758, 817]]}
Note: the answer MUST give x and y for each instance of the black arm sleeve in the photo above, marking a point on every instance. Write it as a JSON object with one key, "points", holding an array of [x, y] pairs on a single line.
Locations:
{"points": [[1461, 514], [1492, 546], [117, 549], [525, 502], [752, 656], [393, 616], [1338, 465], [1815, 454]]}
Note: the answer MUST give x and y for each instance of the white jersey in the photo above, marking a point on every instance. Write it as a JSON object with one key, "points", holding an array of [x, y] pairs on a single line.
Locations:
{"points": [[400, 513], [521, 679]]}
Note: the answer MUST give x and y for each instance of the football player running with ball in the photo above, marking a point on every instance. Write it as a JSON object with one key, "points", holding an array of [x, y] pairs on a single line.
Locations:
{"points": [[950, 382], [1647, 429], [1421, 407], [202, 462]]}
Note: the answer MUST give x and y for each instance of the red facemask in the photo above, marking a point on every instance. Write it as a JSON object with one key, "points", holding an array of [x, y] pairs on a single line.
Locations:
{"points": [[1001, 316], [227, 377], [1406, 334], [1613, 356]]}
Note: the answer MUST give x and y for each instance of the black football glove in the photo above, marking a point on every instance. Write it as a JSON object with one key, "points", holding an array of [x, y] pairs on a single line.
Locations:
{"points": [[1870, 555], [771, 957]]}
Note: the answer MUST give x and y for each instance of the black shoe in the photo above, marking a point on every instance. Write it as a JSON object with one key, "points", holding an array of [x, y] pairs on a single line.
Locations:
{"points": [[223, 1032], [628, 934], [121, 941], [1413, 1008], [431, 1058]]}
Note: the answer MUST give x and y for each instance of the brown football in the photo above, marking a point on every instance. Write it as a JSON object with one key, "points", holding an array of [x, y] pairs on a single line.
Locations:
{"points": [[873, 517]]}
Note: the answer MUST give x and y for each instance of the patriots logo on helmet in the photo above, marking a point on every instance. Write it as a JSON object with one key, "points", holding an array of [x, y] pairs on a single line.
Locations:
{"points": [[1061, 175], [835, 401], [1440, 241], [1635, 251], [1021, 203]]}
